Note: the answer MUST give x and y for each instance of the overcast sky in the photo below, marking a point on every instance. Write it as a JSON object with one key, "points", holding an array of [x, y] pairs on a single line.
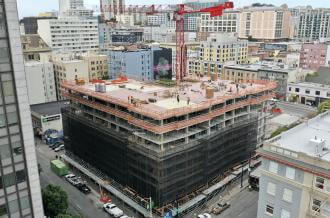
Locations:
{"points": [[33, 7]]}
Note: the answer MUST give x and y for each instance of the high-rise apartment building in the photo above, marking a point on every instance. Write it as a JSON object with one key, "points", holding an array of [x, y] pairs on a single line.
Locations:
{"points": [[266, 23], [111, 8], [295, 177], [20, 194], [192, 20], [73, 8], [71, 34], [313, 23], [228, 22]]}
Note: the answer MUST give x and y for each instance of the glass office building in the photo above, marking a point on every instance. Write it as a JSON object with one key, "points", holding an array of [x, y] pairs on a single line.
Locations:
{"points": [[20, 194]]}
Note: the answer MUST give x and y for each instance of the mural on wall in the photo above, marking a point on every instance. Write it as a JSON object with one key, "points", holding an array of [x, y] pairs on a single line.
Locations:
{"points": [[162, 64]]}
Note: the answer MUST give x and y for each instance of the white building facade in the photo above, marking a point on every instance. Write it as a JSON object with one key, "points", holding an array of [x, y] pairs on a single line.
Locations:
{"points": [[40, 82], [70, 34], [309, 93]]}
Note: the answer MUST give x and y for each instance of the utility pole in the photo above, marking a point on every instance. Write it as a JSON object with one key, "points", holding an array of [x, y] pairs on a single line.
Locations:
{"points": [[177, 208], [150, 208], [242, 176]]}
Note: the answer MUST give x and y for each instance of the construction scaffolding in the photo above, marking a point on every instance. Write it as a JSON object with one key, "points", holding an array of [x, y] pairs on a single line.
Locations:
{"points": [[164, 149], [164, 176]]}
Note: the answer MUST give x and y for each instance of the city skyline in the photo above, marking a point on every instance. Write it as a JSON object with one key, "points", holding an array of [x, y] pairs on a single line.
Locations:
{"points": [[33, 7]]}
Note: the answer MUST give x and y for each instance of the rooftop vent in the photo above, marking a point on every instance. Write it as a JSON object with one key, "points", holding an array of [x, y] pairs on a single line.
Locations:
{"points": [[318, 144]]}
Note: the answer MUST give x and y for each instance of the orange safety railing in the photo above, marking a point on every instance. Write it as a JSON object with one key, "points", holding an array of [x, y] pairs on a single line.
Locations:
{"points": [[157, 115], [159, 129]]}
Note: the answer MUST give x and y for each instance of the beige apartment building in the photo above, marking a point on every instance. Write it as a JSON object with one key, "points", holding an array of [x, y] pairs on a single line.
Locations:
{"points": [[295, 176], [219, 49], [68, 67], [265, 23], [97, 65]]}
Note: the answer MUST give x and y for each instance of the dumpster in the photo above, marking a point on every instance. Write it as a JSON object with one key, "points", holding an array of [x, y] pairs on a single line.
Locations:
{"points": [[58, 167]]}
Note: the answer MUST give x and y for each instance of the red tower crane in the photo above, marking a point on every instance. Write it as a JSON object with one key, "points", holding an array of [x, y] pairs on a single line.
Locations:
{"points": [[180, 43], [179, 13]]}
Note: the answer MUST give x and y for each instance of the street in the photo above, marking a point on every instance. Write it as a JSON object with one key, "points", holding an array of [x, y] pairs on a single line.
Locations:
{"points": [[244, 204], [89, 205], [296, 109]]}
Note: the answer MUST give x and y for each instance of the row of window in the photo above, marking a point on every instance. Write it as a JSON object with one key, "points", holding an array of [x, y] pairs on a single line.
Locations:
{"points": [[289, 172], [307, 91]]}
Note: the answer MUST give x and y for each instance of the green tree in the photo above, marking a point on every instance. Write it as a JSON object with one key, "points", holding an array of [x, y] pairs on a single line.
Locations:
{"points": [[55, 200], [68, 216], [323, 107]]}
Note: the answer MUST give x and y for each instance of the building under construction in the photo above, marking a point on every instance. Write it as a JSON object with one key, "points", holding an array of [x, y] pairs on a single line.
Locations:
{"points": [[164, 142]]}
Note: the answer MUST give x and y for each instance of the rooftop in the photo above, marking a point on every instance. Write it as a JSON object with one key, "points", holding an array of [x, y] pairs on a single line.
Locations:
{"points": [[34, 42], [322, 77], [264, 65], [49, 109], [159, 99], [302, 137], [311, 85]]}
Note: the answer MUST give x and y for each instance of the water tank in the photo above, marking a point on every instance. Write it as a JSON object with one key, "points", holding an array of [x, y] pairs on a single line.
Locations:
{"points": [[103, 88], [97, 87], [209, 92]]}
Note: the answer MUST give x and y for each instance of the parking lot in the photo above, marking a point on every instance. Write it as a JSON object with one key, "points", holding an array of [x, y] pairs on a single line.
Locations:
{"points": [[87, 205]]}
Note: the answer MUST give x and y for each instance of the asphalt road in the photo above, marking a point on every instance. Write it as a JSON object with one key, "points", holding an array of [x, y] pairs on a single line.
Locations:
{"points": [[244, 205], [79, 203], [296, 109]]}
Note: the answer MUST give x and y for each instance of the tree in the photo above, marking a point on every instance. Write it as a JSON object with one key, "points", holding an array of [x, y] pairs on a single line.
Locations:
{"points": [[68, 216], [55, 200], [323, 107]]}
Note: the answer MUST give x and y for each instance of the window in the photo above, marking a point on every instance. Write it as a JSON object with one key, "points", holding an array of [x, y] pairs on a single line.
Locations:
{"points": [[297, 90], [25, 202], [317, 93], [307, 91], [13, 206], [316, 205], [12, 117], [269, 210], [9, 179], [319, 182], [271, 188], [20, 176], [285, 214], [290, 173], [3, 210], [4, 151], [8, 89], [289, 88], [287, 195], [273, 167]]}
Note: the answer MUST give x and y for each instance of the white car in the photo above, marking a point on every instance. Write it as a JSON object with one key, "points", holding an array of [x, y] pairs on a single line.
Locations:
{"points": [[204, 215], [59, 148], [108, 206], [113, 210], [124, 216], [71, 178]]}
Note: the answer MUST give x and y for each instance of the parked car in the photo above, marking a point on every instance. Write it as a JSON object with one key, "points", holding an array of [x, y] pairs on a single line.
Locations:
{"points": [[117, 213], [55, 144], [204, 215], [124, 216], [220, 208], [83, 188], [71, 178], [113, 210], [59, 148], [107, 207]]}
